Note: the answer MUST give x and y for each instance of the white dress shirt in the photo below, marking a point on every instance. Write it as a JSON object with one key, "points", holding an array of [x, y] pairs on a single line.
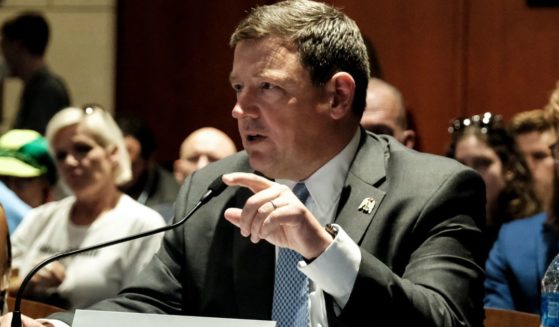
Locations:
{"points": [[335, 270]]}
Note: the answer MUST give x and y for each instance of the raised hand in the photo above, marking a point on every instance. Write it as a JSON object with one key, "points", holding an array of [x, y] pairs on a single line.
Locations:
{"points": [[276, 215]]}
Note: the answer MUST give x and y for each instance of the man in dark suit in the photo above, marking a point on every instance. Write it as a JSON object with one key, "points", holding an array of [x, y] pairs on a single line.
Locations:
{"points": [[404, 246]]}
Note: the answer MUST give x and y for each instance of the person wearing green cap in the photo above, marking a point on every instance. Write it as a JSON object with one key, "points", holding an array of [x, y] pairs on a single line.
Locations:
{"points": [[26, 167]]}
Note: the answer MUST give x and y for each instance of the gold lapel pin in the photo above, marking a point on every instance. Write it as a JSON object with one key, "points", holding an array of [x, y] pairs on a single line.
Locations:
{"points": [[367, 205]]}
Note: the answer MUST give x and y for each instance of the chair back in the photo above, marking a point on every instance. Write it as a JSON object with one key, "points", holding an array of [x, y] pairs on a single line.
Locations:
{"points": [[510, 318]]}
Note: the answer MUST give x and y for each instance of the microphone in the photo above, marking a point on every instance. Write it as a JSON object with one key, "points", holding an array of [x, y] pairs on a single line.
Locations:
{"points": [[215, 188]]}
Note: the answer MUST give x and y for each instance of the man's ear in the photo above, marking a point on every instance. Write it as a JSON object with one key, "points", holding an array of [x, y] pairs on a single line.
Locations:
{"points": [[179, 176], [341, 92], [408, 138]]}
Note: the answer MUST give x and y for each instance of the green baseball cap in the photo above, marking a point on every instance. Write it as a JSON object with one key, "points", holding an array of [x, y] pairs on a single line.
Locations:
{"points": [[24, 153]]}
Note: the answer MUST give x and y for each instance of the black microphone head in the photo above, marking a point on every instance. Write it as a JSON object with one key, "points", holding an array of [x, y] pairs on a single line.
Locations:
{"points": [[217, 186]]}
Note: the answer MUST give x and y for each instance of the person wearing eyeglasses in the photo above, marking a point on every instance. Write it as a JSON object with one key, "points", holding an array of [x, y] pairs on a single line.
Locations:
{"points": [[92, 161], [525, 247], [483, 143]]}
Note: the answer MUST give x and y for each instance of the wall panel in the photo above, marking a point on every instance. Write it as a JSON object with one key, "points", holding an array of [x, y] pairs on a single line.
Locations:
{"points": [[420, 48], [513, 56], [173, 66], [449, 58]]}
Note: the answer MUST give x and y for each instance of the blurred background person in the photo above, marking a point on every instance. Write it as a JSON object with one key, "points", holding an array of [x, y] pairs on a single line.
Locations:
{"points": [[27, 168], [385, 112], [14, 208], [524, 249], [92, 161], [483, 143], [201, 147], [150, 183], [24, 43], [534, 135]]}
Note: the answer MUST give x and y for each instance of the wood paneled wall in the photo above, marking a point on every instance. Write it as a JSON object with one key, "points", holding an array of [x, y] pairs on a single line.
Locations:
{"points": [[449, 59]]}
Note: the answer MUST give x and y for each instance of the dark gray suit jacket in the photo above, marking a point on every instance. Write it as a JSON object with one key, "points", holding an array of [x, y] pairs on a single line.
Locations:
{"points": [[420, 246]]}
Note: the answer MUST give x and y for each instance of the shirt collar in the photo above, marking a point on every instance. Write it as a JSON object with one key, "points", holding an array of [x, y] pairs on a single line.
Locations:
{"points": [[326, 184]]}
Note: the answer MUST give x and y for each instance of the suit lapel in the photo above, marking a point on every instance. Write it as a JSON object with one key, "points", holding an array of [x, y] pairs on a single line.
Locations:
{"points": [[546, 246], [254, 263], [253, 271], [366, 173], [542, 251]]}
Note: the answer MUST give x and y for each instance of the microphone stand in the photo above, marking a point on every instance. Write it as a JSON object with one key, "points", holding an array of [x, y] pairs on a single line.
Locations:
{"points": [[215, 188]]}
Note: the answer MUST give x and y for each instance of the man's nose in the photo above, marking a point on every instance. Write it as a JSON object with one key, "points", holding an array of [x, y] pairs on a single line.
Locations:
{"points": [[245, 106], [202, 162]]}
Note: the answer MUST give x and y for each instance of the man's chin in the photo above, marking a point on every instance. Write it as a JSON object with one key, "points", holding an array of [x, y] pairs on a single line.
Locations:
{"points": [[263, 164]]}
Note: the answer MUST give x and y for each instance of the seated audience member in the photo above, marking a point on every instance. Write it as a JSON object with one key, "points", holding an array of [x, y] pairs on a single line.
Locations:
{"points": [[27, 168], [201, 147], [366, 231], [24, 43], [92, 160], [483, 143], [534, 134], [14, 208], [150, 183], [525, 248], [385, 113]]}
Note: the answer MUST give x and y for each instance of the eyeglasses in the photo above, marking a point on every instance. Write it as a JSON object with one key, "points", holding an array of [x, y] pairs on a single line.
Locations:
{"points": [[484, 122], [89, 108]]}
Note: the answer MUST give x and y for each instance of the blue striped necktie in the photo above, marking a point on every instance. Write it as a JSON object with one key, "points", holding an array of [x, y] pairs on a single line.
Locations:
{"points": [[291, 287]]}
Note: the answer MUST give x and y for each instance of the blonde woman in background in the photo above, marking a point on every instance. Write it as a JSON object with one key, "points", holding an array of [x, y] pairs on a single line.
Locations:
{"points": [[92, 161]]}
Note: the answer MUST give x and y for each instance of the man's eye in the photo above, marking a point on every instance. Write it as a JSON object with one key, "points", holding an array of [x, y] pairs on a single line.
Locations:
{"points": [[266, 86], [540, 156], [193, 159], [237, 87]]}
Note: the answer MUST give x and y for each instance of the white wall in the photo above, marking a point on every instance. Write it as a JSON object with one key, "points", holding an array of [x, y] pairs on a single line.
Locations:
{"points": [[81, 49]]}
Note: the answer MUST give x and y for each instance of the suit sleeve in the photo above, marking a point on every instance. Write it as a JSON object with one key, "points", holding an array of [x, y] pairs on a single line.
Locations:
{"points": [[440, 282]]}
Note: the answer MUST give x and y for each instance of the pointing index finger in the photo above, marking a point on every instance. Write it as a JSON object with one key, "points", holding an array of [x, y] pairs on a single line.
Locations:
{"points": [[251, 181]]}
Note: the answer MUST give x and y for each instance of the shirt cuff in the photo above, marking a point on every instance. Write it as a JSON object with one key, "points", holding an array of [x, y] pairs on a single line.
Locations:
{"points": [[335, 270]]}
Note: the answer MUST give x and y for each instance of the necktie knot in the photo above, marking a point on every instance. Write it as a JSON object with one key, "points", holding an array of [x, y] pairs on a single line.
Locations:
{"points": [[301, 192]]}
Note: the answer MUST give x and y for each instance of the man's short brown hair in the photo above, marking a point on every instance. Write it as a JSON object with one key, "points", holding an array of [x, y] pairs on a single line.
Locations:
{"points": [[536, 120], [552, 108], [326, 39]]}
